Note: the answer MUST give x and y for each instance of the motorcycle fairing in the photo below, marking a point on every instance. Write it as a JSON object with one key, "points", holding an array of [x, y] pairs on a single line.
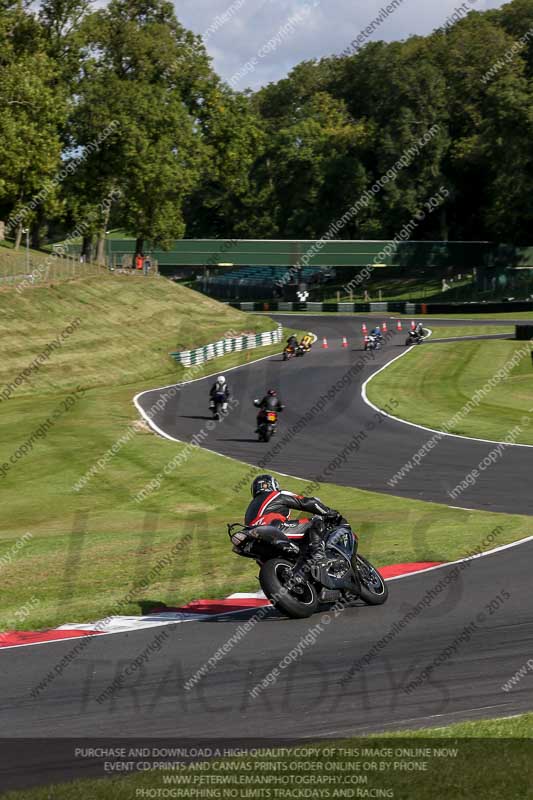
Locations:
{"points": [[339, 545]]}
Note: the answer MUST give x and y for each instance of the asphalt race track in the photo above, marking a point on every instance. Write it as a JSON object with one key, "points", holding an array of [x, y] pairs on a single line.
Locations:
{"points": [[384, 445], [481, 618]]}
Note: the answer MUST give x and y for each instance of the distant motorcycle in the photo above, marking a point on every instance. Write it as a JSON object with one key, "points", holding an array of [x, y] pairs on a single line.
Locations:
{"points": [[289, 352], [294, 584], [371, 342], [300, 351], [266, 425], [218, 404], [413, 337]]}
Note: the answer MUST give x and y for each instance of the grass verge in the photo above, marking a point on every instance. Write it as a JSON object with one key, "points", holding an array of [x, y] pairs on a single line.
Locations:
{"points": [[438, 332], [446, 377], [124, 330]]}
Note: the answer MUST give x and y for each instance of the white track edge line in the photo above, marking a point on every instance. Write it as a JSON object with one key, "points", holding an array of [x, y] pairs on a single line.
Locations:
{"points": [[424, 427], [142, 627]]}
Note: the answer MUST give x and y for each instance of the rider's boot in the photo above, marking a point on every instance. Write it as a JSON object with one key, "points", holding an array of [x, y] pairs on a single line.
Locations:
{"points": [[316, 549]]}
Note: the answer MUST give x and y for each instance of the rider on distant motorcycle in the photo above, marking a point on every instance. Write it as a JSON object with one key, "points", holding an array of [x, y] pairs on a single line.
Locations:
{"points": [[307, 341], [272, 506], [292, 341], [270, 402], [377, 332], [419, 330], [220, 387]]}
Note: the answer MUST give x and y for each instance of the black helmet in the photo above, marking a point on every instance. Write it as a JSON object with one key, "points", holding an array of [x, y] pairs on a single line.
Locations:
{"points": [[272, 393], [264, 483]]}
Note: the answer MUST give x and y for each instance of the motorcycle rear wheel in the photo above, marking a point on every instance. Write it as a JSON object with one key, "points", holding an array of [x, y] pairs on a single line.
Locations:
{"points": [[273, 577], [267, 433], [374, 591]]}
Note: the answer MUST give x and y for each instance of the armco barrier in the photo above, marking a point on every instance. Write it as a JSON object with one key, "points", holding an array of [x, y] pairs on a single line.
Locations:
{"points": [[393, 307], [224, 346]]}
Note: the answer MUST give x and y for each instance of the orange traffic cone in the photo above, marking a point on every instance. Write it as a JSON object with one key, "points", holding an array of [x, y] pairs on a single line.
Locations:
{"points": [[384, 327], [399, 326], [363, 327], [344, 341], [325, 345], [413, 326]]}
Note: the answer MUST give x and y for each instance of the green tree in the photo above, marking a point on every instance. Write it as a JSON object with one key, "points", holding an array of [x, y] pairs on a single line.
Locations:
{"points": [[233, 138], [483, 87], [33, 112], [146, 77]]}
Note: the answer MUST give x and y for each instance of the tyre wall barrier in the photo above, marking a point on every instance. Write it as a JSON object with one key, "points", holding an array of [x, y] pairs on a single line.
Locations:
{"points": [[224, 346]]}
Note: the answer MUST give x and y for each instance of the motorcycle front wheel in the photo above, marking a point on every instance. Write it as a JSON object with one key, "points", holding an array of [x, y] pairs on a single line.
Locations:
{"points": [[374, 591], [297, 602]]}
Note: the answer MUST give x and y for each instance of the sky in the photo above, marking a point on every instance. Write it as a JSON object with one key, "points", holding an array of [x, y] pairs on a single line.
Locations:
{"points": [[253, 42]]}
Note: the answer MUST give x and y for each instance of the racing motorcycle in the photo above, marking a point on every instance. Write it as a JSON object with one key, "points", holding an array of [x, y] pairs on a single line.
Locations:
{"points": [[413, 338], [266, 427], [289, 352], [218, 404], [300, 351], [293, 583], [371, 342]]}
